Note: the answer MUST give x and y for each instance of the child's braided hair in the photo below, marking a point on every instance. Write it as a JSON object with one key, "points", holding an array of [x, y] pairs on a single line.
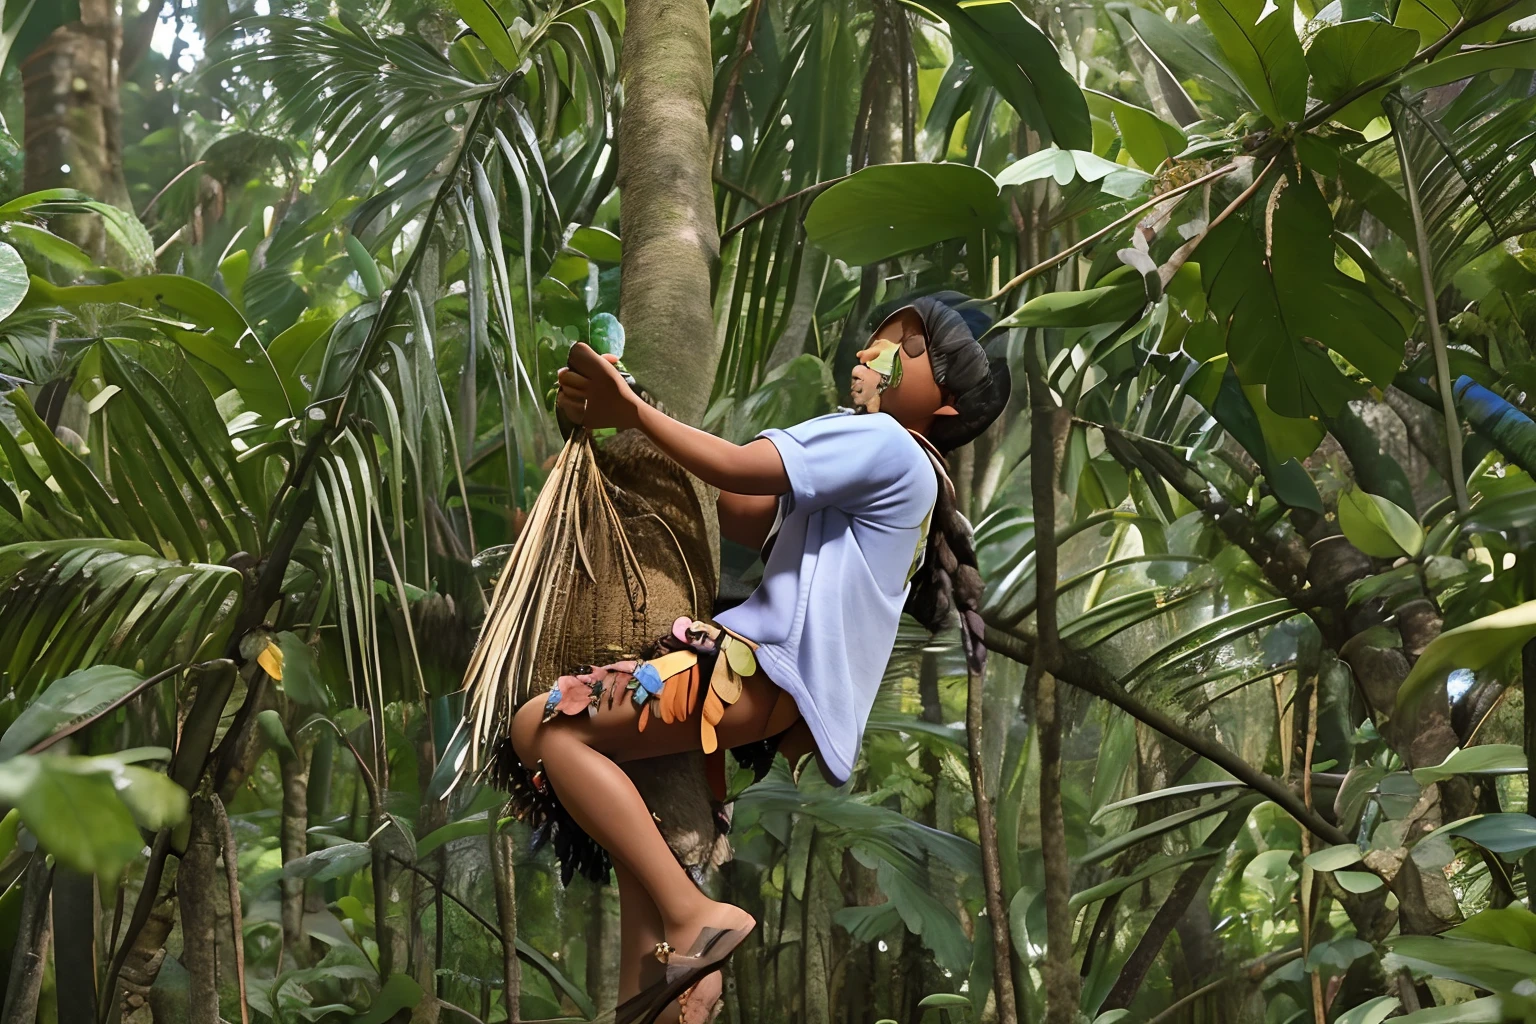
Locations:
{"points": [[948, 580]]}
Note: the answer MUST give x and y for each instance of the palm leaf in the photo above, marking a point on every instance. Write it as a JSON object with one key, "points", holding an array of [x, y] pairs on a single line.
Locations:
{"points": [[1472, 162]]}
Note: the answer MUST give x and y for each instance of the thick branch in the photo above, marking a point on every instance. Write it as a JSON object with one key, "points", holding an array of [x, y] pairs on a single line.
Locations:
{"points": [[1081, 671]]}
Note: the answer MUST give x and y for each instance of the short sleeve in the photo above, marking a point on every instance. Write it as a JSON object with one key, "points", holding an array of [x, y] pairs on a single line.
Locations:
{"points": [[864, 464]]}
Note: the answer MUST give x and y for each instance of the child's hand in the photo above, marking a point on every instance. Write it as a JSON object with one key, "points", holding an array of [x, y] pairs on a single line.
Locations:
{"points": [[592, 392]]}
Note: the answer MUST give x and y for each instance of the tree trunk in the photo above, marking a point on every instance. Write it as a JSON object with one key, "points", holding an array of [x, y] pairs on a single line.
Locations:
{"points": [[74, 118], [200, 897], [30, 960], [667, 220]]}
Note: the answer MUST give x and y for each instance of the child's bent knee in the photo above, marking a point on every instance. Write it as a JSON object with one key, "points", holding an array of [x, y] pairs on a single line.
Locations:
{"points": [[525, 731]]}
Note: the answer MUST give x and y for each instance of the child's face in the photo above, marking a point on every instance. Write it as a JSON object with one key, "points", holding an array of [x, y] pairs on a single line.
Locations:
{"points": [[894, 374]]}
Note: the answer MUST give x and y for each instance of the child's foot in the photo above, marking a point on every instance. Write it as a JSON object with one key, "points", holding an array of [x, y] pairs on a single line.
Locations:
{"points": [[698, 1005], [722, 916], [702, 1002]]}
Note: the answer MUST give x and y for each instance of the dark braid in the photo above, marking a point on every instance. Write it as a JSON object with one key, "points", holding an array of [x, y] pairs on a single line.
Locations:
{"points": [[948, 580]]}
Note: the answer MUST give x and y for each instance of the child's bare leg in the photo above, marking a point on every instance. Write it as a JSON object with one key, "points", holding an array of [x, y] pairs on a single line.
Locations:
{"points": [[640, 928], [580, 754]]}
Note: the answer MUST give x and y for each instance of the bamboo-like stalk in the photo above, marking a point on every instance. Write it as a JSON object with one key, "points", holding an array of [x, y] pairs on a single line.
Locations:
{"points": [[1432, 321]]}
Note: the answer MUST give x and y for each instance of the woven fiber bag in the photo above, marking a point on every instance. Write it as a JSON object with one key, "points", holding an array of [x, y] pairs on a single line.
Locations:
{"points": [[618, 546]]}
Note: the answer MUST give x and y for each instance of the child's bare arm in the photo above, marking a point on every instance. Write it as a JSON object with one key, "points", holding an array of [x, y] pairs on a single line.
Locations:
{"points": [[594, 394], [746, 518]]}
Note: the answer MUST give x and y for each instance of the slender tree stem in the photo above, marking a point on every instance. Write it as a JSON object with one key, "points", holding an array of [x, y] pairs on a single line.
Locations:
{"points": [[748, 29], [1308, 877], [1048, 428], [1528, 676], [504, 882], [1432, 320], [226, 838], [986, 829]]}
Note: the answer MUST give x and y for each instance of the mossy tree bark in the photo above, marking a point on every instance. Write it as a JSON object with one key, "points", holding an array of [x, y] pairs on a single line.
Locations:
{"points": [[74, 117], [199, 900], [667, 218]]}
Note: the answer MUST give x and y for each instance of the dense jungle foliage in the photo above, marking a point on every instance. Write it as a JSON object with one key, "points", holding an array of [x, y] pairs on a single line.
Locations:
{"points": [[283, 288]]}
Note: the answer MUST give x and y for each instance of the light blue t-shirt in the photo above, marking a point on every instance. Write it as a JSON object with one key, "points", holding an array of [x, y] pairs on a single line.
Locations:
{"points": [[852, 528]]}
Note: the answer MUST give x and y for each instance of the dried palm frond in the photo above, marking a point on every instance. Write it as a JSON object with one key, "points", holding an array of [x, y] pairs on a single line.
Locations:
{"points": [[573, 542]]}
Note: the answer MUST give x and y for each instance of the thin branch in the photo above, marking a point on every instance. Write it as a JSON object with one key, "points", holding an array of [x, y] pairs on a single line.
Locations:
{"points": [[1040, 268], [1181, 255], [728, 96], [236, 923], [735, 189], [1254, 970], [1424, 56], [759, 214], [81, 723], [179, 175]]}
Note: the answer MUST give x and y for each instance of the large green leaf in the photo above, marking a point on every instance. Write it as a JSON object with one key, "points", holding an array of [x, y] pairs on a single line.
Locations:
{"points": [[399, 992], [1478, 644], [1488, 1010], [1243, 413], [1481, 759], [1276, 310], [13, 280], [1372, 1011], [1486, 965], [1351, 53], [76, 696], [1513, 925], [481, 17], [122, 227], [1260, 43], [1148, 138], [1119, 296], [219, 336], [1188, 48], [1509, 832], [1023, 65], [72, 806], [1377, 526], [888, 209], [1067, 165], [67, 604]]}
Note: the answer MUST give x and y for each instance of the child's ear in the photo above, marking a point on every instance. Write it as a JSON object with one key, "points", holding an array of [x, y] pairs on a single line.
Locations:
{"points": [[946, 410]]}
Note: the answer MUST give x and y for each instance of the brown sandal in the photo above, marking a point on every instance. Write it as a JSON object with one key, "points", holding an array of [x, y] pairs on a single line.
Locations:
{"points": [[710, 951]]}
